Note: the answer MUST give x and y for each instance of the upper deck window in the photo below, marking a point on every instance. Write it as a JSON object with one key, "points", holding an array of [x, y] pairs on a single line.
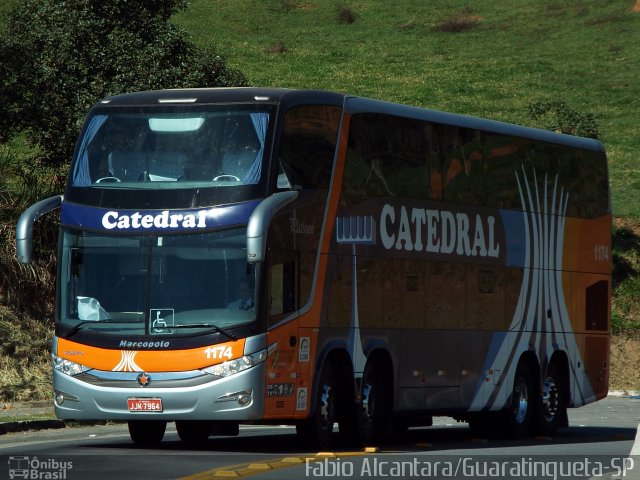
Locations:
{"points": [[172, 147]]}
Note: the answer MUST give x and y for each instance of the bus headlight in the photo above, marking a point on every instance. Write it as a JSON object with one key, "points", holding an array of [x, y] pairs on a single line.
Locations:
{"points": [[237, 365], [67, 366]]}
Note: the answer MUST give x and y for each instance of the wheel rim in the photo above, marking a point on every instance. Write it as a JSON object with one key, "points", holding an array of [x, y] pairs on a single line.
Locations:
{"points": [[368, 404], [326, 407], [550, 399], [520, 400]]}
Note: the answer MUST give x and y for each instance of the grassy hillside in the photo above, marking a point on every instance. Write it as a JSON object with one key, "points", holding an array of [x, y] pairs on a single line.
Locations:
{"points": [[487, 59]]}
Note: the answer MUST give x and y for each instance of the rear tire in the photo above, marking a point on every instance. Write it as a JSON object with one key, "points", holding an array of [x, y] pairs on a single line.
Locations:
{"points": [[551, 405], [317, 430], [193, 432], [147, 432], [373, 410]]}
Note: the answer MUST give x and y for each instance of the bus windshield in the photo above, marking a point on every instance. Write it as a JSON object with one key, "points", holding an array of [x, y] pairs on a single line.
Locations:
{"points": [[186, 147], [155, 285]]}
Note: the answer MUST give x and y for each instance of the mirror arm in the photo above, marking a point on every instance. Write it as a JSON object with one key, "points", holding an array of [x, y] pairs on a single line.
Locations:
{"points": [[259, 223], [24, 228]]}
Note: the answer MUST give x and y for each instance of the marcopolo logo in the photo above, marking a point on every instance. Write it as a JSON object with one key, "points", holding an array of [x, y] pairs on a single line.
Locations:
{"points": [[34, 468], [145, 344], [163, 220]]}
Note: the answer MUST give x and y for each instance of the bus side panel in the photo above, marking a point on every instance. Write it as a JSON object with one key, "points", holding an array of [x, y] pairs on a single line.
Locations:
{"points": [[292, 253], [593, 307], [587, 255], [294, 296], [317, 274], [499, 295]]}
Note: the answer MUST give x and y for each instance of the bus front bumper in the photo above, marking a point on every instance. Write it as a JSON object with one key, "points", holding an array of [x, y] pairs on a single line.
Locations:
{"points": [[238, 397]]}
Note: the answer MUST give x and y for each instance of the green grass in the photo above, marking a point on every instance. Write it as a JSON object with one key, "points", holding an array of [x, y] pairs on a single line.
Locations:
{"points": [[625, 304], [513, 52], [27, 417]]}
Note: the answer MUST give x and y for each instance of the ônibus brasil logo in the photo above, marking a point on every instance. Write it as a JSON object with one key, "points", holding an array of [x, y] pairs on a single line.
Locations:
{"points": [[34, 468]]}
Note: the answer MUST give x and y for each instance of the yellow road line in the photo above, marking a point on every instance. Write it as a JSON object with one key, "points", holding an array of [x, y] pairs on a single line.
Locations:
{"points": [[244, 470]]}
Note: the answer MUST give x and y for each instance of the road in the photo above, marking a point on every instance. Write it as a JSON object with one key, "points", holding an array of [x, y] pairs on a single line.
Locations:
{"points": [[600, 438]]}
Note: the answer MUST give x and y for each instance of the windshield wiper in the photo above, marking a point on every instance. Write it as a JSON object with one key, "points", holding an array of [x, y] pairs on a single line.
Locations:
{"points": [[78, 326], [204, 325]]}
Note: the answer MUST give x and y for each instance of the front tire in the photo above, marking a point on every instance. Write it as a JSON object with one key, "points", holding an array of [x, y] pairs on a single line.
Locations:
{"points": [[147, 432], [193, 432]]}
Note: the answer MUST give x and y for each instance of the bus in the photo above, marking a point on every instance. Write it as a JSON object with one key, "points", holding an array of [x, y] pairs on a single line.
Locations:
{"points": [[274, 256]]}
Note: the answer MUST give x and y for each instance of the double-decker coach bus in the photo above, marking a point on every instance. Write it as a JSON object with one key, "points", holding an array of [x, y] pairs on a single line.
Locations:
{"points": [[254, 255]]}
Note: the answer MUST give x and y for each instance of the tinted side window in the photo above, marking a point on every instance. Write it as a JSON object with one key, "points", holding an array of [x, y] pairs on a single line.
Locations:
{"points": [[403, 157], [307, 145], [387, 156]]}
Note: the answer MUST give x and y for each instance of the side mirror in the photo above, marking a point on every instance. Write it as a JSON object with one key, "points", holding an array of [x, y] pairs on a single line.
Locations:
{"points": [[259, 224], [24, 228]]}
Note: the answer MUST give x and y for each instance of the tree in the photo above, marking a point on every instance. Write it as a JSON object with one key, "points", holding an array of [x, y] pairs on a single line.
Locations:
{"points": [[58, 57]]}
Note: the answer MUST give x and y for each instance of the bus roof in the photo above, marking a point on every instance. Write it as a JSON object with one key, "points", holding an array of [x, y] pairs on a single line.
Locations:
{"points": [[223, 95], [355, 105], [352, 105]]}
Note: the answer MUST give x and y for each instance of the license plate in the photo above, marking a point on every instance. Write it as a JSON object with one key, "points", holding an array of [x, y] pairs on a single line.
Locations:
{"points": [[144, 404]]}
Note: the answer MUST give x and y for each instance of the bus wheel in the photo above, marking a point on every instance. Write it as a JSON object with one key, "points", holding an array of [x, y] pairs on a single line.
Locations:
{"points": [[193, 432], [317, 430], [520, 410], [551, 405], [147, 432], [369, 421]]}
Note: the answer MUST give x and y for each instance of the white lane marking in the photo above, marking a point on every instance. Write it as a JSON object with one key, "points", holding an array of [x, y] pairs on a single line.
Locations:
{"points": [[635, 450], [29, 443]]}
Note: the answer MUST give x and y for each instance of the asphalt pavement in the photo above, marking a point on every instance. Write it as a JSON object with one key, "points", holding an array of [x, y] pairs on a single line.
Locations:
{"points": [[39, 415]]}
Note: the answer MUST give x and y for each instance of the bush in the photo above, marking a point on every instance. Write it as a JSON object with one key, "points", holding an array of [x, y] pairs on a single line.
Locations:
{"points": [[27, 288], [345, 15], [561, 118], [56, 60], [25, 361], [59, 58]]}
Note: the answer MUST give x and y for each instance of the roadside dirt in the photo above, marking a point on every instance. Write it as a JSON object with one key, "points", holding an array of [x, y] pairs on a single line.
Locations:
{"points": [[625, 364]]}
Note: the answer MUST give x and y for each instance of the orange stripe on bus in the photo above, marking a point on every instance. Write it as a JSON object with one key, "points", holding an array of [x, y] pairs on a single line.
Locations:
{"points": [[131, 360]]}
